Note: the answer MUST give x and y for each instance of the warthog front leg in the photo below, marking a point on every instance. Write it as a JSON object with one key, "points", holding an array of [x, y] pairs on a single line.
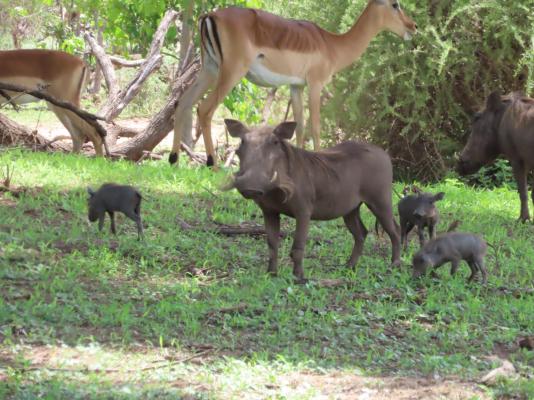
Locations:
{"points": [[272, 228], [299, 243], [383, 211], [520, 175]]}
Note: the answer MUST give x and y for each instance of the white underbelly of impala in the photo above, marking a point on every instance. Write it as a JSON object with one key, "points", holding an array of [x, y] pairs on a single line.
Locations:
{"points": [[259, 74]]}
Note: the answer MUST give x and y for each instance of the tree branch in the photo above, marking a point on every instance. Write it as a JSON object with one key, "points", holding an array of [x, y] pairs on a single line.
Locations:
{"points": [[121, 62], [91, 119]]}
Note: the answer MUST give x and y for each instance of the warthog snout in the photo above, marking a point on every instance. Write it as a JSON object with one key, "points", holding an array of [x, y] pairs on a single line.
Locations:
{"points": [[252, 185]]}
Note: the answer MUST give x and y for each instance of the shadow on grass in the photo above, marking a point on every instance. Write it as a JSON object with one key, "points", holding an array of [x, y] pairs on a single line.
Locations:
{"points": [[193, 289]]}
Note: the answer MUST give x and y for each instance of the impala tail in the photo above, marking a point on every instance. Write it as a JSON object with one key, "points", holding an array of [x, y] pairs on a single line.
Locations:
{"points": [[210, 41]]}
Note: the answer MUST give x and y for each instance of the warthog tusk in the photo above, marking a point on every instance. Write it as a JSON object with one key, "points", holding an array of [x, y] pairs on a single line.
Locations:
{"points": [[275, 175]]}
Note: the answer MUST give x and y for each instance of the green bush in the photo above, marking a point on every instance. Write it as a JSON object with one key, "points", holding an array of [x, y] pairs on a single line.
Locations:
{"points": [[415, 98]]}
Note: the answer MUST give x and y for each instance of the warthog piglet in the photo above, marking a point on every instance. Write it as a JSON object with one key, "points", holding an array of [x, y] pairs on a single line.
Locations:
{"points": [[111, 198], [419, 210], [452, 247]]}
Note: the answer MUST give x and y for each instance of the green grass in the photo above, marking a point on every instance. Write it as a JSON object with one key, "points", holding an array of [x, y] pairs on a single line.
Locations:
{"points": [[82, 312]]}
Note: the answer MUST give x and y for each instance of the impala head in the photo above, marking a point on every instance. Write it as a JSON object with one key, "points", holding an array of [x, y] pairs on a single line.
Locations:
{"points": [[262, 156], [393, 18], [483, 144]]}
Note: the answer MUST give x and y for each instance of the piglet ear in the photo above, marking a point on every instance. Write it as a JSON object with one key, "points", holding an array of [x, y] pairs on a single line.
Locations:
{"points": [[236, 128], [285, 130], [494, 101], [439, 196], [90, 191]]}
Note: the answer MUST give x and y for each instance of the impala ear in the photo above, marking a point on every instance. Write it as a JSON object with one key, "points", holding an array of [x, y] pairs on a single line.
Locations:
{"points": [[236, 128], [285, 130], [381, 2], [494, 101]]}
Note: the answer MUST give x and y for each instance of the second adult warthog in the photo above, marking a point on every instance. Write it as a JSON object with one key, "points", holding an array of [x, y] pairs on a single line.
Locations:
{"points": [[305, 185], [505, 126]]}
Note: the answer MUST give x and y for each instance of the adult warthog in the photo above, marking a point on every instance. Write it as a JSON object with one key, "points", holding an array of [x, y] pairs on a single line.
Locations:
{"points": [[504, 127], [305, 185]]}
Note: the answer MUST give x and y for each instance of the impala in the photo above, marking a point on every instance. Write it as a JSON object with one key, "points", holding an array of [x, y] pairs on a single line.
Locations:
{"points": [[59, 74], [273, 51]]}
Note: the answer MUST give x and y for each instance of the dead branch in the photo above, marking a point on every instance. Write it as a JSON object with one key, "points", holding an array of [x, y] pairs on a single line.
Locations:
{"points": [[121, 62], [91, 119], [230, 159], [197, 157], [105, 64], [229, 230], [119, 99], [267, 106], [12, 134], [162, 123]]}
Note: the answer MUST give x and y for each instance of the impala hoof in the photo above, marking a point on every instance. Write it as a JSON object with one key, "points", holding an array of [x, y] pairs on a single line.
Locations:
{"points": [[173, 157], [210, 162]]}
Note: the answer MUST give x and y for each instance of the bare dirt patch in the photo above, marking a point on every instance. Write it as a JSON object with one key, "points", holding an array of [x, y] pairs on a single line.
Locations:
{"points": [[350, 386], [121, 366]]}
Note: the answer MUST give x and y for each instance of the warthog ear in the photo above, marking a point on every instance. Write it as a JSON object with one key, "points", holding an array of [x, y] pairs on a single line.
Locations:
{"points": [[90, 191], [494, 101], [285, 130], [439, 196], [236, 128]]}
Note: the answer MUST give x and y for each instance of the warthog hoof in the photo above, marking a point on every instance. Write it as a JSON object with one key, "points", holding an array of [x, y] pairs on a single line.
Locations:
{"points": [[301, 281]]}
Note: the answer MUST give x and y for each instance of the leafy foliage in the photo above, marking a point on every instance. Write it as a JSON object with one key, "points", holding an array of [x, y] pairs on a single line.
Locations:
{"points": [[415, 98]]}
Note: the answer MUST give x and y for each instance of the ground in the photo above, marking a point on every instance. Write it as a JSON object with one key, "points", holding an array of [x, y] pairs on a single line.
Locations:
{"points": [[190, 313]]}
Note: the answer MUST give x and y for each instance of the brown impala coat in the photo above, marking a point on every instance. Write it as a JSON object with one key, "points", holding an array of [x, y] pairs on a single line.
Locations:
{"points": [[62, 75], [274, 51], [305, 185], [505, 126]]}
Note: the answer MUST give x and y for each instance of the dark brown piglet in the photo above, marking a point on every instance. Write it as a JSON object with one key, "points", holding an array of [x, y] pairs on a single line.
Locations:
{"points": [[452, 247], [419, 210], [111, 198], [306, 185]]}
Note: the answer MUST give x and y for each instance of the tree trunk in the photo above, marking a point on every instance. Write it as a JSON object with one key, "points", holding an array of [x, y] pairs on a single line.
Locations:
{"points": [[162, 123], [97, 79]]}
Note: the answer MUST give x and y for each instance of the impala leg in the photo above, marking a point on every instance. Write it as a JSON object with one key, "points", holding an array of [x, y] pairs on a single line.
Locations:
{"points": [[87, 130], [229, 76], [315, 114], [298, 112], [183, 118], [76, 135]]}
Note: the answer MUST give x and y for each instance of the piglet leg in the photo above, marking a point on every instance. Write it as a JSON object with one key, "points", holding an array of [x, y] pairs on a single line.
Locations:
{"points": [[137, 218], [112, 217]]}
